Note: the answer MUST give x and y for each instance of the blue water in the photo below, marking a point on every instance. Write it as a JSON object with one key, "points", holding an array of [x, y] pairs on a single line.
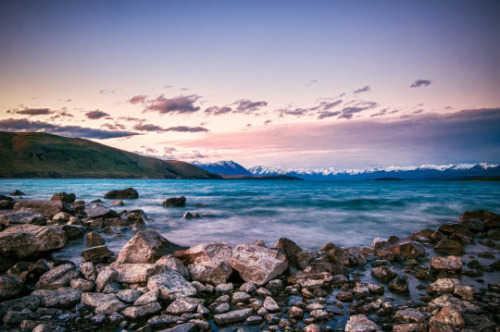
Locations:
{"points": [[309, 213]]}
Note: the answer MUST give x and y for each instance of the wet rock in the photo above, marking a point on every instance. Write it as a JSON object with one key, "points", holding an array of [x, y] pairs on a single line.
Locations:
{"points": [[358, 323], [135, 273], [450, 263], [162, 321], [73, 231], [6, 204], [97, 254], [399, 284], [258, 264], [248, 287], [254, 320], [240, 297], [88, 270], [128, 193], [170, 283], [30, 302], [10, 286], [271, 305], [494, 234], [464, 292], [61, 297], [187, 327], [189, 215], [295, 312], [310, 279], [105, 277], [290, 248], [407, 248], [58, 276], [102, 303], [99, 211], [319, 314], [21, 217], [443, 285], [117, 202], [410, 327], [82, 284], [94, 239], [146, 247], [137, 312], [335, 254], [449, 247], [17, 193], [461, 306], [183, 305], [232, 316], [48, 208], [490, 220], [171, 263], [448, 316], [175, 202], [383, 273], [31, 240], [409, 315], [66, 198]]}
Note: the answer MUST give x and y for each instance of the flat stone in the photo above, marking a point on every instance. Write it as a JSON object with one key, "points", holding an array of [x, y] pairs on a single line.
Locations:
{"points": [[149, 297], [162, 321], [21, 217], [450, 263], [30, 302], [449, 316], [61, 297], [258, 264], [271, 305], [83, 285], [254, 320], [410, 315], [105, 277], [54, 274], [99, 211], [129, 295], [170, 283], [97, 254], [183, 305], [360, 323], [443, 285], [95, 299], [232, 316], [142, 311], [135, 273]]}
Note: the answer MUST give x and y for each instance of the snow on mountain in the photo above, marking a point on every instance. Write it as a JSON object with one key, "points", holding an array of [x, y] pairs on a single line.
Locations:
{"points": [[223, 167]]}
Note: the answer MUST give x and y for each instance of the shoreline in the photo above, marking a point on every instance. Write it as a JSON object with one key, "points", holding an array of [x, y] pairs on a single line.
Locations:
{"points": [[336, 286]]}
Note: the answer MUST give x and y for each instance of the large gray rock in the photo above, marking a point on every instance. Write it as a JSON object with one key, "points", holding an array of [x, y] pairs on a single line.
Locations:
{"points": [[135, 273], [99, 211], [10, 286], [21, 217], [31, 240], [169, 262], [97, 254], [122, 194], [48, 208], [361, 323], [58, 276], [102, 303], [30, 302], [105, 277], [232, 316], [61, 297], [258, 264], [175, 202], [183, 305], [146, 247], [137, 312], [171, 284]]}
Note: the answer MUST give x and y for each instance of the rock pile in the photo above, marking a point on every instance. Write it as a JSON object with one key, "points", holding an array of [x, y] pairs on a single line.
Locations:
{"points": [[421, 283]]}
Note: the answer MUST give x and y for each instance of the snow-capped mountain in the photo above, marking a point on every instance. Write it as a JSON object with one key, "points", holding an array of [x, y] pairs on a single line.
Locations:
{"points": [[423, 172], [223, 167]]}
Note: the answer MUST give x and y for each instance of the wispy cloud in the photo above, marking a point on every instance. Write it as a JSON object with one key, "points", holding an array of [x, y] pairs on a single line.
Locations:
{"points": [[420, 83], [176, 105], [35, 111], [24, 125], [366, 88], [216, 110], [247, 106], [181, 129], [97, 114]]}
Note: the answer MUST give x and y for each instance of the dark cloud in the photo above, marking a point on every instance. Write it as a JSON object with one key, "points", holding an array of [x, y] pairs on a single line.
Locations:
{"points": [[295, 112], [139, 99], [324, 115], [24, 125], [94, 115], [115, 126], [35, 111], [180, 104], [216, 110], [366, 88], [420, 83], [379, 113], [348, 112], [148, 127], [247, 106], [325, 106], [185, 129]]}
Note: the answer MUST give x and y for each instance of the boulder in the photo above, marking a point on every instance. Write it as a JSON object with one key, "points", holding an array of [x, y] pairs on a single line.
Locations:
{"points": [[171, 263], [361, 323], [449, 316], [31, 240], [450, 263], [105, 277], [490, 219], [128, 193], [183, 305], [17, 193], [443, 285], [21, 217], [143, 311], [289, 247], [175, 202], [232, 316], [448, 300], [61, 297], [103, 303], [73, 231], [146, 247], [258, 264], [66, 198], [59, 276], [170, 283], [93, 239], [208, 262], [407, 248], [335, 254], [410, 315], [449, 247], [399, 284], [48, 208], [6, 204], [99, 211], [10, 286], [97, 254], [383, 273]]}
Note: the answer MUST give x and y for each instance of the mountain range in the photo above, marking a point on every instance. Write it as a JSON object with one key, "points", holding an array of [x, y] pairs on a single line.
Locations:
{"points": [[42, 155], [423, 172]]}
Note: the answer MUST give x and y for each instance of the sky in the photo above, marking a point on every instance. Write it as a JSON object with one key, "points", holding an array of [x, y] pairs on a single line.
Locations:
{"points": [[290, 84]]}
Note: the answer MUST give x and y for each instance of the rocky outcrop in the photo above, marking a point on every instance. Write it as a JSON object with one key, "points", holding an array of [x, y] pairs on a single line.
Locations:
{"points": [[48, 208], [146, 247], [175, 202], [21, 217], [128, 193], [31, 240], [258, 264]]}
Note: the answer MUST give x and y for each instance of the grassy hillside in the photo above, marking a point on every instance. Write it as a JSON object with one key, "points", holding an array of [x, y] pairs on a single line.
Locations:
{"points": [[46, 155]]}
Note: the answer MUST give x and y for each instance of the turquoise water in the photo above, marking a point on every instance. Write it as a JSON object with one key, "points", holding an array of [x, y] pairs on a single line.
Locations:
{"points": [[309, 213]]}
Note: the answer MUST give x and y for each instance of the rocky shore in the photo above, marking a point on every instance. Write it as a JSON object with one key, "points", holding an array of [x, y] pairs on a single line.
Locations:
{"points": [[445, 279]]}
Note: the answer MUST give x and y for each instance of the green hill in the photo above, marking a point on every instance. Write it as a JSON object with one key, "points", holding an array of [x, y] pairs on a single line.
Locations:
{"points": [[41, 155]]}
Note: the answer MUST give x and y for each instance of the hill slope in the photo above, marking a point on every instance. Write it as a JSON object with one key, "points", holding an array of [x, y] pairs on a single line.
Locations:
{"points": [[46, 155]]}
